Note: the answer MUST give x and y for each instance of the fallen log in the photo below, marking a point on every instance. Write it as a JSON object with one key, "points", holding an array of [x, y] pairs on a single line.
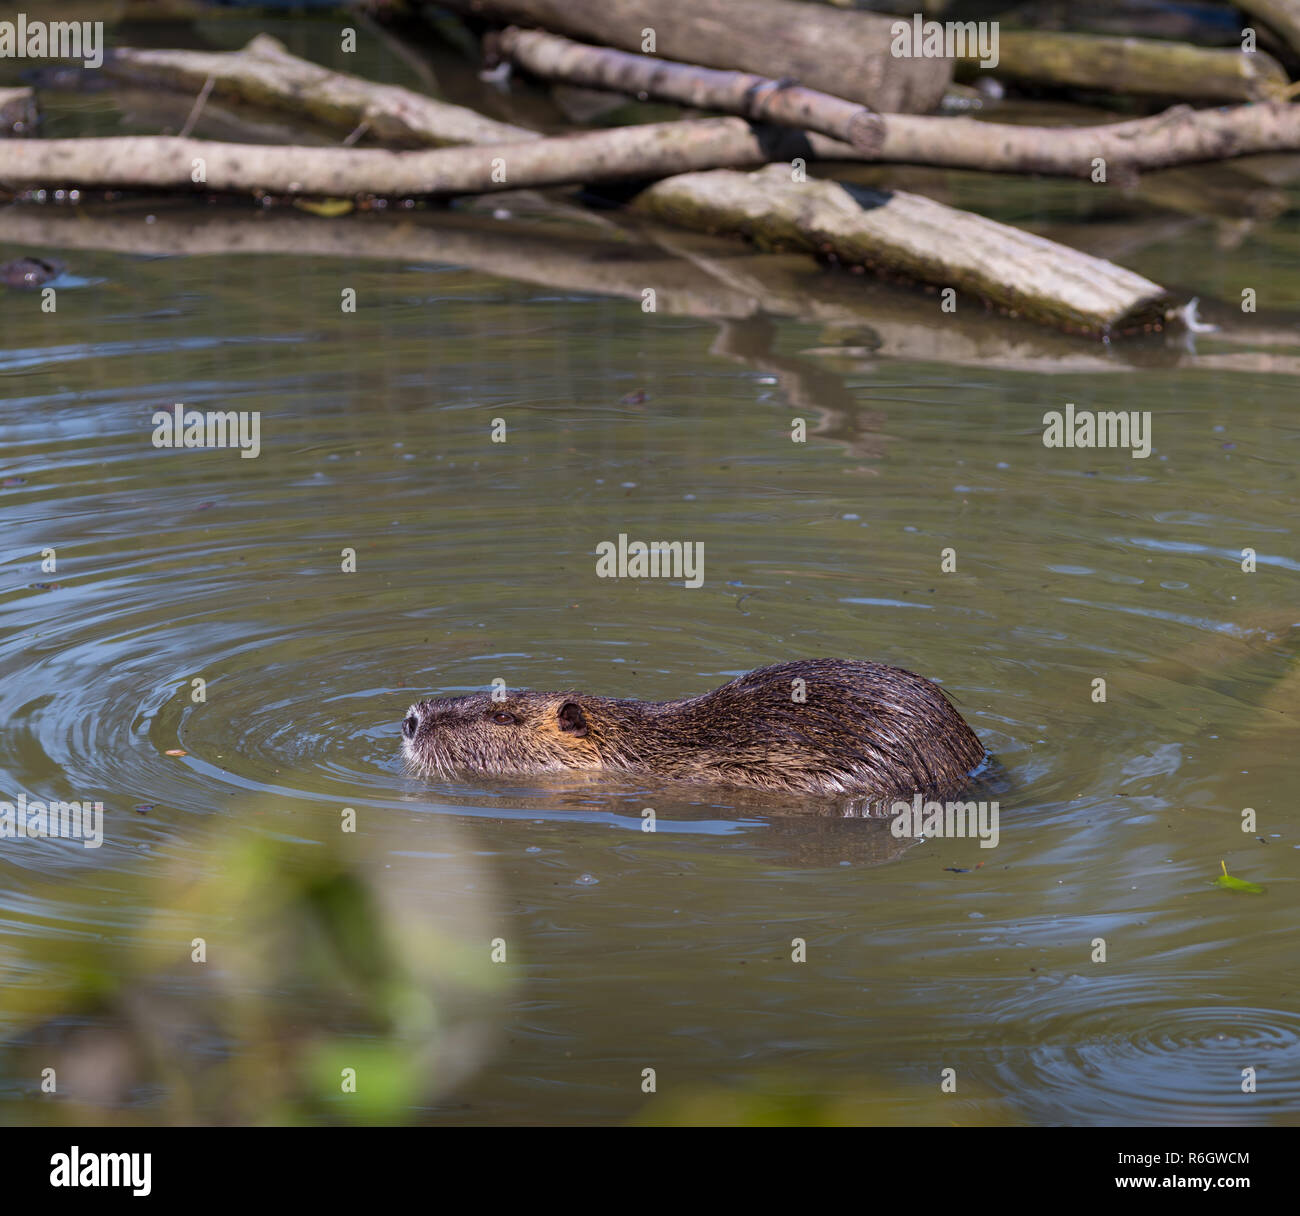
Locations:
{"points": [[759, 98], [169, 162], [902, 234], [17, 112], [896, 324], [911, 235], [843, 53], [1179, 136], [1137, 65], [265, 74]]}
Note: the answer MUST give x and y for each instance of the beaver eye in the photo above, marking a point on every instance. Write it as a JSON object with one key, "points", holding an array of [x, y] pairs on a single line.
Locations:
{"points": [[504, 718]]}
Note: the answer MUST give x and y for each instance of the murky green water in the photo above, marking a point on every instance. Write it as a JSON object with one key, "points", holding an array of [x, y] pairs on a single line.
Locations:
{"points": [[626, 950]]}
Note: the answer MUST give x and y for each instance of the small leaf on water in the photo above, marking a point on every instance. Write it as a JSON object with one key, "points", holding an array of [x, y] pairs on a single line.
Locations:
{"points": [[328, 207], [1237, 884]]}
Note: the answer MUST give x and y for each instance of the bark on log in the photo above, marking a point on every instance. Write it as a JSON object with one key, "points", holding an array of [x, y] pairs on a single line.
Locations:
{"points": [[621, 154], [1179, 136], [914, 236], [17, 112], [759, 98], [903, 234], [846, 54], [1138, 65], [266, 74]]}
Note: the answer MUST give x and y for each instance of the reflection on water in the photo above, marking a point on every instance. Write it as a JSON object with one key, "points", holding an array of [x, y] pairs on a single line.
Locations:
{"points": [[617, 949]]}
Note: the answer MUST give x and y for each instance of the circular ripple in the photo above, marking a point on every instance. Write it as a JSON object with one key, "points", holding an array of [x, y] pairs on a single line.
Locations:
{"points": [[1112, 1050]]}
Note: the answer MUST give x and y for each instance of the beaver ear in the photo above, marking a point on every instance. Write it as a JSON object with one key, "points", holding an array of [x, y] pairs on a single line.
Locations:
{"points": [[573, 719]]}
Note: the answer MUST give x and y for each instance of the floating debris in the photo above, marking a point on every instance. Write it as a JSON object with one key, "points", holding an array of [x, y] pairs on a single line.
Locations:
{"points": [[1237, 884]]}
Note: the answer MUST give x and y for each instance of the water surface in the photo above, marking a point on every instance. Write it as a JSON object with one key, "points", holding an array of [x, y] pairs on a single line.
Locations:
{"points": [[627, 950]]}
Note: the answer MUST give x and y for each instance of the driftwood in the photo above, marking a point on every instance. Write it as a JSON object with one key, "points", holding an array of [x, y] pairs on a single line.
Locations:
{"points": [[756, 97], [1179, 136], [621, 154], [266, 74], [17, 112], [904, 234], [1139, 65], [924, 240], [846, 54]]}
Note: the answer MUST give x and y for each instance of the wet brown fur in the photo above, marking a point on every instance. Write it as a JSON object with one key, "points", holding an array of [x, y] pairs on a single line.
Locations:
{"points": [[863, 729]]}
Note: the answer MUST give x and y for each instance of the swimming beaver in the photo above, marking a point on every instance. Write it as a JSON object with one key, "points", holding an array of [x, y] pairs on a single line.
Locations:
{"points": [[848, 728]]}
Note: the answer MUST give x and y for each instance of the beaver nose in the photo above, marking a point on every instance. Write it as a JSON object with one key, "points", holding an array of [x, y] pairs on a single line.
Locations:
{"points": [[410, 724]]}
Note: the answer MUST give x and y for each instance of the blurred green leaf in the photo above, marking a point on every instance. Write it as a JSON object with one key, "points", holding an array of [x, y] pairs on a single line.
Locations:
{"points": [[1237, 884]]}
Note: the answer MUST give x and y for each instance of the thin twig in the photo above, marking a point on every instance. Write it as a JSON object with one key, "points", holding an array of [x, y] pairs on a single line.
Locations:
{"points": [[199, 103], [356, 134]]}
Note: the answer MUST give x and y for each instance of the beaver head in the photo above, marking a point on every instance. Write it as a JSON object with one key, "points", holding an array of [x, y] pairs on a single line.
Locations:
{"points": [[521, 734]]}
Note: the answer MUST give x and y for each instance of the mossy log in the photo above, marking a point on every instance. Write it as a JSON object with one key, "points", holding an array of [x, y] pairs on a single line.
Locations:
{"points": [[843, 53], [265, 74], [912, 236], [17, 112], [1138, 65]]}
